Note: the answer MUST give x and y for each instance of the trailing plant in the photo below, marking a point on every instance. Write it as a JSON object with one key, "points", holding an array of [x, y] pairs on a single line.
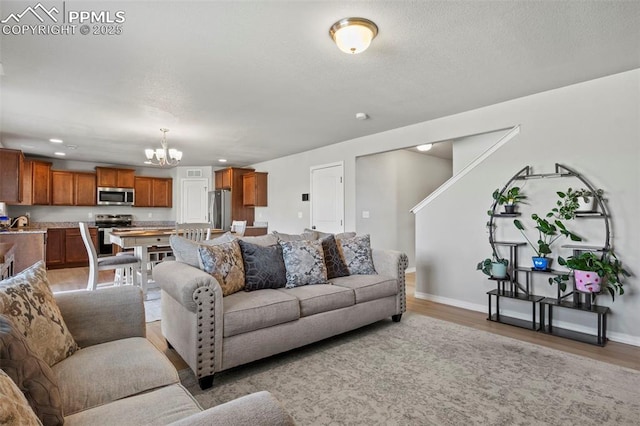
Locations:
{"points": [[608, 267], [569, 202], [486, 264]]}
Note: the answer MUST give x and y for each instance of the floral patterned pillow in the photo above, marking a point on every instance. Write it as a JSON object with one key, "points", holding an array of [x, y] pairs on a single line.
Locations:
{"points": [[224, 263], [14, 408], [304, 262], [28, 302], [356, 252]]}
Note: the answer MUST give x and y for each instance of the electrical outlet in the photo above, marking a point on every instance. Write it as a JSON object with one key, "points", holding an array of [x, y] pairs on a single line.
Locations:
{"points": [[90, 215], [299, 215], [365, 214], [150, 215]]}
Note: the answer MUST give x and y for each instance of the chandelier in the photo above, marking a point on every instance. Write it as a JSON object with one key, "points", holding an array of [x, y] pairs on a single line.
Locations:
{"points": [[164, 156]]}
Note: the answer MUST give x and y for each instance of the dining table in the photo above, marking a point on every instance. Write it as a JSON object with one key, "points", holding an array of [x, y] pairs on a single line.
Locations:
{"points": [[141, 240]]}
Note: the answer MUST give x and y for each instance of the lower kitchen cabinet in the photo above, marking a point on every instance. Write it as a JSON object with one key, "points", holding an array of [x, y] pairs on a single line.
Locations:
{"points": [[65, 248]]}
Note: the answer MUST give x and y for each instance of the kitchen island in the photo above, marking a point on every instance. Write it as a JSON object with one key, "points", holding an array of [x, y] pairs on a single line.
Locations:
{"points": [[29, 245]]}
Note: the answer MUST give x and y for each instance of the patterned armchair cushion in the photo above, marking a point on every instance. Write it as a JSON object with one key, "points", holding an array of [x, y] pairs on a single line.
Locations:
{"points": [[304, 262], [224, 263], [28, 302], [14, 408], [336, 267], [357, 254], [263, 266], [32, 375]]}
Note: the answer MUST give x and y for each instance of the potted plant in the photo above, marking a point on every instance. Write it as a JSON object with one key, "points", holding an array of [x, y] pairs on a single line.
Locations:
{"points": [[572, 201], [509, 199], [494, 267], [593, 273]]}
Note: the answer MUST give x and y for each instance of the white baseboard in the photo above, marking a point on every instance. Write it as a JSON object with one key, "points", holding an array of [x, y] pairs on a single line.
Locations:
{"points": [[613, 336]]}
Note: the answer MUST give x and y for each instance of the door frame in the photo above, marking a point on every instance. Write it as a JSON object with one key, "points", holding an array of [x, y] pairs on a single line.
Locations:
{"points": [[311, 197]]}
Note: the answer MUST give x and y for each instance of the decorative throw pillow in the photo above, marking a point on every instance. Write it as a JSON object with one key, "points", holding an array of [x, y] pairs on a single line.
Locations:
{"points": [[356, 252], [261, 240], [305, 236], [32, 375], [344, 235], [29, 303], [14, 408], [336, 267], [186, 250], [304, 262], [263, 266], [224, 263]]}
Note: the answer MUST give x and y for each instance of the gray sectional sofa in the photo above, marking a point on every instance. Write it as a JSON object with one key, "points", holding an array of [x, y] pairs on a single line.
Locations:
{"points": [[213, 333]]}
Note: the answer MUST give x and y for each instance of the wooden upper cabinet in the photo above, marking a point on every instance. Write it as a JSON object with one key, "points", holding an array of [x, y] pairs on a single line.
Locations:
{"points": [[11, 170], [73, 188], [162, 192], [254, 189], [62, 188], [224, 178], [115, 178], [143, 187], [40, 182]]}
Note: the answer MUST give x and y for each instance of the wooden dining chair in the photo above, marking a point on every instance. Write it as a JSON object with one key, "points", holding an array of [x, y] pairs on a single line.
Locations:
{"points": [[238, 227], [194, 231], [126, 266]]}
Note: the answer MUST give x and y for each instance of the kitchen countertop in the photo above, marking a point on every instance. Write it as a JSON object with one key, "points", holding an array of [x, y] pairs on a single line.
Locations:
{"points": [[24, 230]]}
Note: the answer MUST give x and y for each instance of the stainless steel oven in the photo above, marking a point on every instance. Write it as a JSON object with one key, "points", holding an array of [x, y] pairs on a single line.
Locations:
{"points": [[115, 196], [105, 224]]}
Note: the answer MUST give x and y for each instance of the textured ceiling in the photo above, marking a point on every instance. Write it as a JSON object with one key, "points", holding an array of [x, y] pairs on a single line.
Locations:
{"points": [[251, 81]]}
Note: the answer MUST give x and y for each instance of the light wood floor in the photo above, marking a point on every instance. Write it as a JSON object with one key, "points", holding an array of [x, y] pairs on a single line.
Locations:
{"points": [[614, 352]]}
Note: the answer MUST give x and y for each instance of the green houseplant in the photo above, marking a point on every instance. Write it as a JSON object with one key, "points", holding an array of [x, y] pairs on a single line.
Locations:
{"points": [[494, 266], [606, 273], [570, 202], [509, 199]]}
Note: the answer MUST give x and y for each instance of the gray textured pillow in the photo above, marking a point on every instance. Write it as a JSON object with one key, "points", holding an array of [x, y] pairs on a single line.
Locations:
{"points": [[32, 375], [263, 266], [304, 262], [336, 267], [356, 252], [305, 236], [186, 251]]}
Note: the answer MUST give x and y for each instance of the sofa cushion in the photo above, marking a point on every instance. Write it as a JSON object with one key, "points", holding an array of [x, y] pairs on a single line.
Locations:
{"points": [[248, 311], [109, 371], [14, 408], [356, 252], [224, 263], [186, 250], [304, 261], [159, 407], [261, 240], [320, 235], [333, 260], [321, 298], [368, 287], [32, 375], [29, 303], [305, 236], [263, 266]]}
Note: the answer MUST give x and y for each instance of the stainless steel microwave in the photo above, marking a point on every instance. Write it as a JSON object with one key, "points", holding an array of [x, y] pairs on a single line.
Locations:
{"points": [[115, 196]]}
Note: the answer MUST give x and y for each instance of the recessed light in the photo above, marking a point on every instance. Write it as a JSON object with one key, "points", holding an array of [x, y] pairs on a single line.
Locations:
{"points": [[61, 154], [54, 140], [362, 116], [425, 147], [222, 160]]}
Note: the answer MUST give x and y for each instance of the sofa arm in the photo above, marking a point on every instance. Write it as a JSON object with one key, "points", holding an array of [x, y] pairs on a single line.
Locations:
{"points": [[256, 409], [393, 263], [181, 281], [104, 315]]}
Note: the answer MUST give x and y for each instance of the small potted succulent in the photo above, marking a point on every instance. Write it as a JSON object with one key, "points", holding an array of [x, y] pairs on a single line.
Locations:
{"points": [[593, 273], [509, 199], [494, 267]]}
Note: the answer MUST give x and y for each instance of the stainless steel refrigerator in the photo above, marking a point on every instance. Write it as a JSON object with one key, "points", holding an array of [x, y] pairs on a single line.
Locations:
{"points": [[220, 209]]}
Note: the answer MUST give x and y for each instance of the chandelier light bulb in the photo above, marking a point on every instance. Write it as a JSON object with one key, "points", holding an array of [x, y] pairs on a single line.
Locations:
{"points": [[164, 156]]}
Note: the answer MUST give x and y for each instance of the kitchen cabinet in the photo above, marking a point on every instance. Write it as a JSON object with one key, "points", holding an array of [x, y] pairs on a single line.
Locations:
{"points": [[11, 169], [232, 178], [223, 178], [73, 188], [254, 189], [109, 177], [153, 192], [65, 248], [36, 183]]}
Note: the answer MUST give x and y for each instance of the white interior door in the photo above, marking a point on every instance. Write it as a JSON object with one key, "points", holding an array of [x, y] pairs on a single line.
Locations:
{"points": [[194, 202], [327, 197]]}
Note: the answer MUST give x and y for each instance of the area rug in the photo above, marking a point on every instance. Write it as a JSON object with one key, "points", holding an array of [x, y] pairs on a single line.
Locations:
{"points": [[423, 371], [152, 305]]}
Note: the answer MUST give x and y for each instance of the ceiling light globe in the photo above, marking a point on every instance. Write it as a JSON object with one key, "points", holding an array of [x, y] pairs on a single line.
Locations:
{"points": [[178, 155], [149, 153], [425, 147], [160, 153], [353, 35]]}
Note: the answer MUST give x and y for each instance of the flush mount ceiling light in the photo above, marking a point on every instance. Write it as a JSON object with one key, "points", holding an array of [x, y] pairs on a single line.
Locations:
{"points": [[55, 140], [353, 35], [163, 156], [425, 147]]}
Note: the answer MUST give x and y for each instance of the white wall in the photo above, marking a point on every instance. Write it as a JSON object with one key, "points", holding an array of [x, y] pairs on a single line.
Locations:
{"points": [[468, 148], [388, 186], [80, 213], [592, 127]]}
